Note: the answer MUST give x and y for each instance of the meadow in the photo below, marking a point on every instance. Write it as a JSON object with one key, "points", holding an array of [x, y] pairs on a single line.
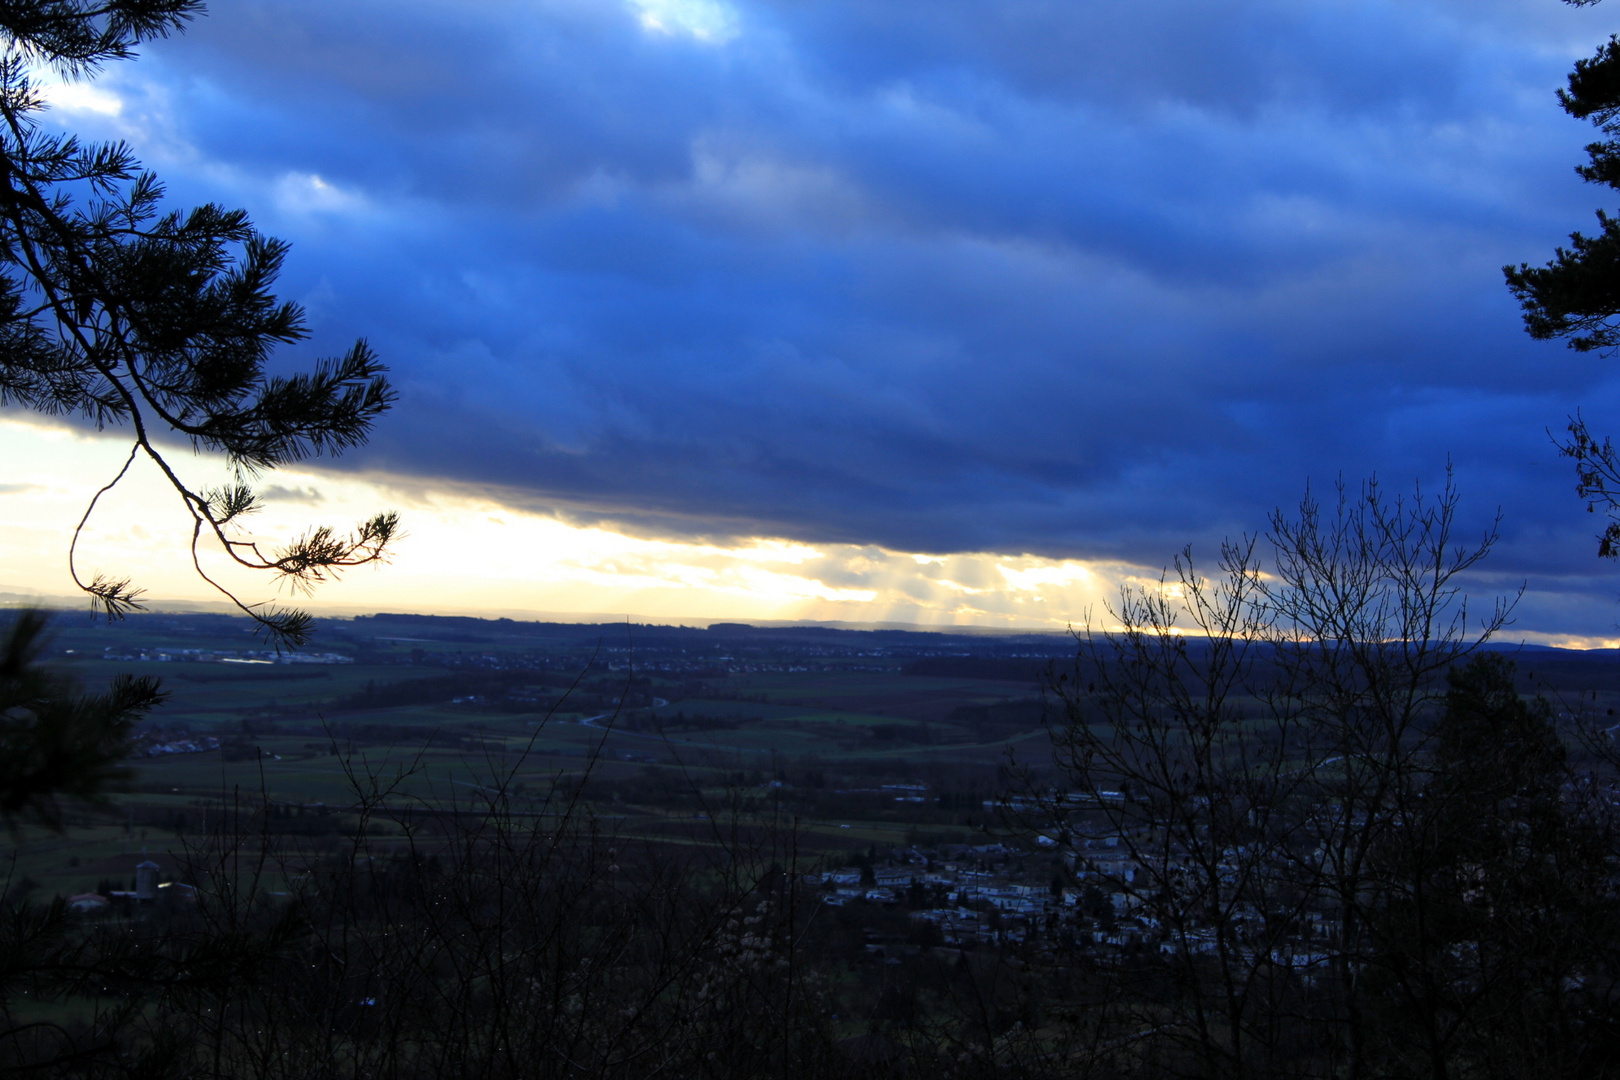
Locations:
{"points": [[657, 730]]}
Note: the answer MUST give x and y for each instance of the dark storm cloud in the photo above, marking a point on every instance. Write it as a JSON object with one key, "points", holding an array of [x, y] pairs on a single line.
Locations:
{"points": [[1066, 278]]}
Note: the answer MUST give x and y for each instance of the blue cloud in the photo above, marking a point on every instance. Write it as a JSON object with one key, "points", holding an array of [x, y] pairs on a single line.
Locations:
{"points": [[1071, 279]]}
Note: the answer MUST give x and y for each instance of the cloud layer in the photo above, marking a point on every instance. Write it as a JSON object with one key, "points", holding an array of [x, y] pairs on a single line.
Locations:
{"points": [[1076, 280]]}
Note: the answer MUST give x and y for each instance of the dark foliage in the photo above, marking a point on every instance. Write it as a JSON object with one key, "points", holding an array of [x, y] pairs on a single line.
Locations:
{"points": [[162, 322], [55, 741], [1493, 952], [1577, 295], [1364, 853]]}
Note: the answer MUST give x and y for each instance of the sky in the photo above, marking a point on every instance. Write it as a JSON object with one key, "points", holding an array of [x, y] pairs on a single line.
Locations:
{"points": [[948, 312]]}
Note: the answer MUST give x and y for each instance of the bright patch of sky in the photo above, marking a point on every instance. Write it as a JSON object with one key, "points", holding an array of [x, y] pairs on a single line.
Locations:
{"points": [[706, 20], [76, 97], [1044, 576], [464, 552], [304, 193]]}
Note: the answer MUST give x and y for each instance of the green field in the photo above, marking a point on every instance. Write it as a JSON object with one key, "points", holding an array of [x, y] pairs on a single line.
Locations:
{"points": [[652, 757]]}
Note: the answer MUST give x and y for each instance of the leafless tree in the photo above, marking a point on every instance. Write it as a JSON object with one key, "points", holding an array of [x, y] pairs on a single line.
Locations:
{"points": [[1257, 767]]}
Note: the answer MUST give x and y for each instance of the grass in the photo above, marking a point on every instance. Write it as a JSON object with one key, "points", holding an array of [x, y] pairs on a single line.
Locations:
{"points": [[448, 752]]}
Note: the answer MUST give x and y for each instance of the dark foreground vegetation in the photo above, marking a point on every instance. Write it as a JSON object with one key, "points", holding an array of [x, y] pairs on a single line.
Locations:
{"points": [[1325, 832]]}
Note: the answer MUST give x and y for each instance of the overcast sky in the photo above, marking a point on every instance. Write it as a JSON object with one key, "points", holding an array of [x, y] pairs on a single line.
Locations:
{"points": [[1080, 279]]}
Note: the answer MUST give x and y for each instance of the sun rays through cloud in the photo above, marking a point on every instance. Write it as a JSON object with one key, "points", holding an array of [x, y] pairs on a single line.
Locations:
{"points": [[468, 553]]}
